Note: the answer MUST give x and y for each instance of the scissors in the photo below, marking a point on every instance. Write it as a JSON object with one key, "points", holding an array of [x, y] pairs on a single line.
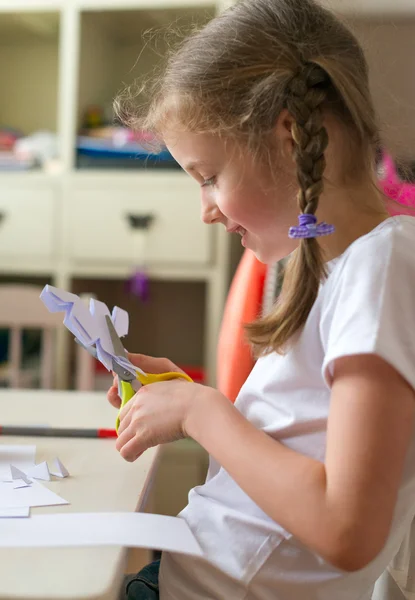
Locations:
{"points": [[129, 383]]}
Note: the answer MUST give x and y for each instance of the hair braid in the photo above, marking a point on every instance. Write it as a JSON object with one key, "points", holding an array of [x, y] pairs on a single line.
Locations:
{"points": [[306, 92]]}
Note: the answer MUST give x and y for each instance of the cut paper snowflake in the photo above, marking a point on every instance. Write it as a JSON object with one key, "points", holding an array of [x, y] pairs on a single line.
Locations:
{"points": [[89, 326]]}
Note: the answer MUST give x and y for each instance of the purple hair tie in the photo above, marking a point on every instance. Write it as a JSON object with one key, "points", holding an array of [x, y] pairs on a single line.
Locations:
{"points": [[307, 228]]}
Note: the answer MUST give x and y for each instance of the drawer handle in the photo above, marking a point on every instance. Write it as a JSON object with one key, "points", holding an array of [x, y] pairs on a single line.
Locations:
{"points": [[140, 221], [2, 217]]}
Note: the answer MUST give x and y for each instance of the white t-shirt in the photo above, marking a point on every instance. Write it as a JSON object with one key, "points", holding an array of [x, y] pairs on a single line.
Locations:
{"points": [[367, 305]]}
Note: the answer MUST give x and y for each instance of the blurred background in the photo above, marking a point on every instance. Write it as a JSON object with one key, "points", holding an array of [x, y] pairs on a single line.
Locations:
{"points": [[87, 207]]}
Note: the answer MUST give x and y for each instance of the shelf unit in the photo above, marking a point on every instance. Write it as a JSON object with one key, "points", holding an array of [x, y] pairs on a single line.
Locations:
{"points": [[70, 226]]}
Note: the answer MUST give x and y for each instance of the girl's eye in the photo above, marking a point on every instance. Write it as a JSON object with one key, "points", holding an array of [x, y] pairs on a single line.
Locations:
{"points": [[210, 181]]}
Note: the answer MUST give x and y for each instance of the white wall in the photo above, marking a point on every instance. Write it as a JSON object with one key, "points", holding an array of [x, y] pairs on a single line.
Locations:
{"points": [[390, 50], [29, 80]]}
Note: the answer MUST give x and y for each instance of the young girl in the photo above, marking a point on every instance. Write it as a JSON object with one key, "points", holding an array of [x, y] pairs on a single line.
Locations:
{"points": [[311, 483]]}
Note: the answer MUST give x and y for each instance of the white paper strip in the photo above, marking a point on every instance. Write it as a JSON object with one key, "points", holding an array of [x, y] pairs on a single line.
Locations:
{"points": [[131, 530], [13, 513]]}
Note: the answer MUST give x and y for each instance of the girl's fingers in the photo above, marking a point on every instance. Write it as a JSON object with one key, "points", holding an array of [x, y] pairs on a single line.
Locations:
{"points": [[113, 396], [124, 413], [123, 438], [131, 450], [125, 417]]}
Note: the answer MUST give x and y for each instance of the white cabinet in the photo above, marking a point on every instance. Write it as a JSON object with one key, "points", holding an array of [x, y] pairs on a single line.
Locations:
{"points": [[27, 223], [151, 219]]}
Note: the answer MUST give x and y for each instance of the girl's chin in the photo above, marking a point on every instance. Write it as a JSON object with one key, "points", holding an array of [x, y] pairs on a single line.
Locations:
{"points": [[269, 257]]}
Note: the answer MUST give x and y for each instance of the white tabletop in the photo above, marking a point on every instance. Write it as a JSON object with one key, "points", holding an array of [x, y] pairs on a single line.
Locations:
{"points": [[101, 481]]}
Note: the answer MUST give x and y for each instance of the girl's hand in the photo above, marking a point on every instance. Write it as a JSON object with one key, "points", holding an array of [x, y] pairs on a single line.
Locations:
{"points": [[158, 414], [147, 364]]}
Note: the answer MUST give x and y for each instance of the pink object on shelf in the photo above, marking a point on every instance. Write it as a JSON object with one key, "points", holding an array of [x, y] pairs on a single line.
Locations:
{"points": [[402, 193]]}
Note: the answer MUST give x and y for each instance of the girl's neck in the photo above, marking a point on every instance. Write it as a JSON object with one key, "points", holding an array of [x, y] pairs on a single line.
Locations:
{"points": [[353, 211]]}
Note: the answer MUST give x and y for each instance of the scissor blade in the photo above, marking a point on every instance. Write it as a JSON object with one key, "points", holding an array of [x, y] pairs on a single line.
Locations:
{"points": [[116, 342], [122, 373]]}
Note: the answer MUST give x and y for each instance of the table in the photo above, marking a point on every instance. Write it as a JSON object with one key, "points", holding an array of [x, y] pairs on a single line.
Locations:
{"points": [[100, 481]]}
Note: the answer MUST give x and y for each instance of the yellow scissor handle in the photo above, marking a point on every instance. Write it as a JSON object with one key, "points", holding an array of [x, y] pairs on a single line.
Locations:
{"points": [[127, 390], [156, 377]]}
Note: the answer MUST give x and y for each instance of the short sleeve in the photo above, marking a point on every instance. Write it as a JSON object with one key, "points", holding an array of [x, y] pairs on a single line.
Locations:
{"points": [[369, 306]]}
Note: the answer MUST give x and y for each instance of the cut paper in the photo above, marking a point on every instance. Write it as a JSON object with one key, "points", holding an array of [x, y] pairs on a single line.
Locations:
{"points": [[89, 326], [40, 471], [18, 474], [14, 513], [22, 457], [131, 530], [20, 483], [34, 495], [60, 469]]}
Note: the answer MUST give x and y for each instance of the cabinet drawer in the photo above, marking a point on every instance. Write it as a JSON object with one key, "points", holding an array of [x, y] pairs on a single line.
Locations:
{"points": [[106, 223], [27, 223]]}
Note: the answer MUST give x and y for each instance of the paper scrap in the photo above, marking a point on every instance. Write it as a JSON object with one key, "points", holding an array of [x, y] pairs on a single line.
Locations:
{"points": [[13, 513], [132, 530], [20, 483], [22, 457], [18, 474], [34, 495], [40, 471], [60, 469]]}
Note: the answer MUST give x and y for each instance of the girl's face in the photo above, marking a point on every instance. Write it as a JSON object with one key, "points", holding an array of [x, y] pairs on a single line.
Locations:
{"points": [[240, 192]]}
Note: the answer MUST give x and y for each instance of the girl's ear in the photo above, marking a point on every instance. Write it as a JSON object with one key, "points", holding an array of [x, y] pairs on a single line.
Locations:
{"points": [[283, 128]]}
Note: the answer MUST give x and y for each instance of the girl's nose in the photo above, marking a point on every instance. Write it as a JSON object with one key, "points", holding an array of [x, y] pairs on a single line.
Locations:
{"points": [[211, 214]]}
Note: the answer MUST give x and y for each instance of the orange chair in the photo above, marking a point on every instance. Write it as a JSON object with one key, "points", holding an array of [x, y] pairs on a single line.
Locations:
{"points": [[243, 305]]}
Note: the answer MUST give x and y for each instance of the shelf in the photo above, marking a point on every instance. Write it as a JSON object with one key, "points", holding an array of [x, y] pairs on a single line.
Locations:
{"points": [[29, 70], [115, 51], [29, 57]]}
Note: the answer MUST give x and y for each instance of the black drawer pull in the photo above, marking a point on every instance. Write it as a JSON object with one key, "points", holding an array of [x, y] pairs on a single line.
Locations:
{"points": [[140, 221], [2, 217]]}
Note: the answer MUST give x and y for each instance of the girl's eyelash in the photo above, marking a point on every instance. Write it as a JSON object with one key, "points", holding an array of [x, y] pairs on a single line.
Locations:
{"points": [[210, 181]]}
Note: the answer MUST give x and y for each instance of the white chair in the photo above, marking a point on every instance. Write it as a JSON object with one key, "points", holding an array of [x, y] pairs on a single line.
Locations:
{"points": [[22, 309]]}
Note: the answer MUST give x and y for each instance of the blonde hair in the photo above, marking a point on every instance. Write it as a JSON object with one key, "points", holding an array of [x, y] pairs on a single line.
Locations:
{"points": [[234, 77]]}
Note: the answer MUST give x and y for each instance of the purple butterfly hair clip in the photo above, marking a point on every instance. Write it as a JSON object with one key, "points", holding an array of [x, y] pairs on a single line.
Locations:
{"points": [[308, 228]]}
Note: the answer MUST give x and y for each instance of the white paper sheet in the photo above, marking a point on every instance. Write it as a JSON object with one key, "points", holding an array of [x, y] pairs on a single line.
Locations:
{"points": [[130, 530], [13, 513], [34, 495], [22, 457]]}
